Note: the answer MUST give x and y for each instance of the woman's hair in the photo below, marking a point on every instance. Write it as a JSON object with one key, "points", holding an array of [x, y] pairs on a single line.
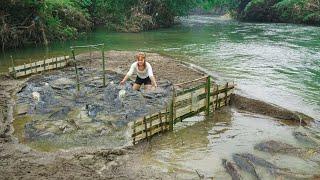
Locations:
{"points": [[142, 55]]}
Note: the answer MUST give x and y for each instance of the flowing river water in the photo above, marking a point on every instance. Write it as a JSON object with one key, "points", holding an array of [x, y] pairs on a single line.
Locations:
{"points": [[276, 63]]}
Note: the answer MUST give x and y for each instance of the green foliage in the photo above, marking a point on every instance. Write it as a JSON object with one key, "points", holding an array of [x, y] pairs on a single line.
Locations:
{"points": [[259, 10], [299, 11], [37, 21], [296, 11]]}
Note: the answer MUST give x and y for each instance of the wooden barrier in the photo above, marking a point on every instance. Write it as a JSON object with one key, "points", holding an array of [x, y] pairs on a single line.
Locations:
{"points": [[38, 66], [204, 97]]}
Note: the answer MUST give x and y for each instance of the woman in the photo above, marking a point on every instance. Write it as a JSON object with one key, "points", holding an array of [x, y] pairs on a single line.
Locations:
{"points": [[144, 73]]}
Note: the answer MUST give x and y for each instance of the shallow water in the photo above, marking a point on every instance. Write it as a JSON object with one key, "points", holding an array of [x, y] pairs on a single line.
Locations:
{"points": [[199, 145]]}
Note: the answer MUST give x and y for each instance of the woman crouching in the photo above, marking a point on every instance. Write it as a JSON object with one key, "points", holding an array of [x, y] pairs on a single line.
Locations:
{"points": [[144, 73]]}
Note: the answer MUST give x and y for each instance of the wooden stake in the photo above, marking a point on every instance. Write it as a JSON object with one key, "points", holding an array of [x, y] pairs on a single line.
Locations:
{"points": [[76, 69], [171, 110], [134, 132], [103, 68], [217, 96], [30, 65], [208, 96], [161, 124], [44, 64], [13, 67], [24, 67], [145, 127], [226, 95]]}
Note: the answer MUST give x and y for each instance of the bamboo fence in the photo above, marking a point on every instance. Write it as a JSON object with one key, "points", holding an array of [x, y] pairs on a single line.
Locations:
{"points": [[99, 47], [204, 97], [38, 66]]}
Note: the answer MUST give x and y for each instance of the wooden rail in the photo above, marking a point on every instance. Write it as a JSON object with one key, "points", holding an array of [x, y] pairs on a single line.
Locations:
{"points": [[38, 66], [206, 97]]}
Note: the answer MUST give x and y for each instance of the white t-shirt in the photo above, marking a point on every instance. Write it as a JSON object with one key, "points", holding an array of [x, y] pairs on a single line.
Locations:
{"points": [[141, 74]]}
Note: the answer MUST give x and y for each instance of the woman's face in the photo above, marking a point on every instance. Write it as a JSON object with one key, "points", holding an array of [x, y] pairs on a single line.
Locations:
{"points": [[140, 60]]}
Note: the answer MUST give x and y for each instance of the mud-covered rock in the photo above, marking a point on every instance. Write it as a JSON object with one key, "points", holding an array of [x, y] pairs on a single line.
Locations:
{"points": [[260, 107]]}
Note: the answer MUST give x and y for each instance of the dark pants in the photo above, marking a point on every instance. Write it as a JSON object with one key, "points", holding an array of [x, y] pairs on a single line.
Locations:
{"points": [[144, 81]]}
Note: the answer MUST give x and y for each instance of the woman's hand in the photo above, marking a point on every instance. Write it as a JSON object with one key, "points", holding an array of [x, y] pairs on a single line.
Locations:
{"points": [[122, 82]]}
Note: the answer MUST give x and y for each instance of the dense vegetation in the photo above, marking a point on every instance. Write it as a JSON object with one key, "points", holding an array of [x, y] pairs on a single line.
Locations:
{"points": [[294, 11], [41, 21]]}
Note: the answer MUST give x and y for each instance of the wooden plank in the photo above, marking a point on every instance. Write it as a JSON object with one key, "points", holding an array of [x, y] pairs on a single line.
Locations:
{"points": [[188, 95], [142, 126], [144, 136], [182, 111], [188, 82], [191, 89]]}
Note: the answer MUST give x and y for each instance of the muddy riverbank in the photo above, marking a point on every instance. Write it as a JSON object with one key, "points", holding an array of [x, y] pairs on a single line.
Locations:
{"points": [[98, 161], [102, 161]]}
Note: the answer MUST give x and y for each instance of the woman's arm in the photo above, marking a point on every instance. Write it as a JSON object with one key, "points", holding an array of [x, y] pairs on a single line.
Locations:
{"points": [[153, 81], [130, 72]]}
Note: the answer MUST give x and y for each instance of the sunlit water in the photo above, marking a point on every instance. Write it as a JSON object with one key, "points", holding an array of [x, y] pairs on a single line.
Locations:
{"points": [[277, 63]]}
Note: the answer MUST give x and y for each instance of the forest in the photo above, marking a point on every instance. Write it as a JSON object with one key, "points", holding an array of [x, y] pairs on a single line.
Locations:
{"points": [[24, 22]]}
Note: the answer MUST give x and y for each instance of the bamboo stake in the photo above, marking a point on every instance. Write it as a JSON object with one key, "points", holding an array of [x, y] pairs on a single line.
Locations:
{"points": [[171, 110], [14, 68], [226, 95], [161, 124], [24, 67], [145, 127], [217, 96], [44, 64], [208, 96], [76, 68], [166, 117], [134, 132], [103, 68], [30, 65], [150, 129]]}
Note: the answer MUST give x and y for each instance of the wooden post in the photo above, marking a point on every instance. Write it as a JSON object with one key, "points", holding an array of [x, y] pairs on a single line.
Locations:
{"points": [[13, 67], [160, 118], [134, 132], [103, 68], [145, 127], [30, 65], [226, 95], [217, 96], [166, 118], [56, 63], [44, 64], [208, 96], [171, 110], [76, 68], [24, 67]]}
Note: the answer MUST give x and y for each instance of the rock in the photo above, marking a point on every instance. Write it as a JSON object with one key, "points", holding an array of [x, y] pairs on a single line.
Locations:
{"points": [[245, 165], [260, 107], [283, 148], [231, 169], [306, 139]]}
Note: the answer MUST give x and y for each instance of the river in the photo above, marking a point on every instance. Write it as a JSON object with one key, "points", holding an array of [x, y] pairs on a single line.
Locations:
{"points": [[276, 63]]}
